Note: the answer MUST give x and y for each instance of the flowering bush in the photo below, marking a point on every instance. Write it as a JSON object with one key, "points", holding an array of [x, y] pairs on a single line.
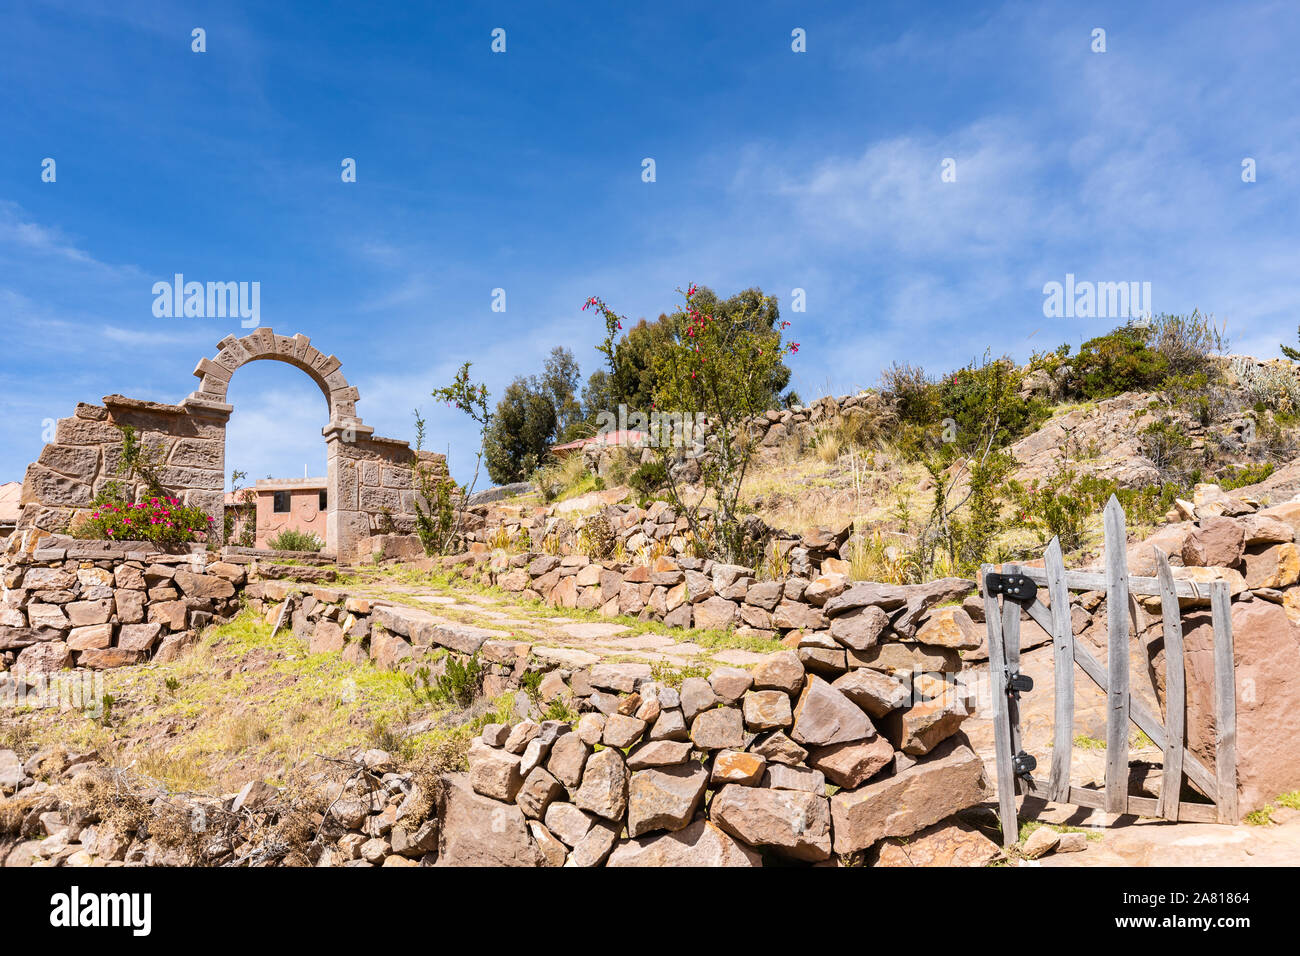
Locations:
{"points": [[722, 361], [161, 520]]}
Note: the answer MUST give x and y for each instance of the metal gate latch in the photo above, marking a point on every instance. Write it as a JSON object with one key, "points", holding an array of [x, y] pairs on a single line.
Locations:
{"points": [[1023, 764], [1017, 683], [1018, 587]]}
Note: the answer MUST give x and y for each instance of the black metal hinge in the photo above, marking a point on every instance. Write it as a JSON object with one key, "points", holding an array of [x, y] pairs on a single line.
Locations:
{"points": [[1017, 587], [1023, 764], [1017, 683]]}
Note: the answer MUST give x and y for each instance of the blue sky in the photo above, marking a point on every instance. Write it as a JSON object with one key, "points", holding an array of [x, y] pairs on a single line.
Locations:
{"points": [[522, 171]]}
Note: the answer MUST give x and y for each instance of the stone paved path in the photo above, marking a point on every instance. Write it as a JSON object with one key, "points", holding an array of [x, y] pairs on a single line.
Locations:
{"points": [[573, 641]]}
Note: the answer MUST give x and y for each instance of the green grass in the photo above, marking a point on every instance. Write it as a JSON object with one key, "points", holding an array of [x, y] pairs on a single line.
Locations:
{"points": [[1264, 815], [242, 705], [1084, 742]]}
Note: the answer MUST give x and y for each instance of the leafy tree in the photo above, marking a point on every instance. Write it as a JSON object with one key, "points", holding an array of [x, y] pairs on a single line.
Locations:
{"points": [[521, 431], [722, 361], [560, 384], [632, 378], [441, 528]]}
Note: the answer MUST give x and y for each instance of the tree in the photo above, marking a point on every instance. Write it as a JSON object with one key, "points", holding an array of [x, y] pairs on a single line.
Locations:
{"points": [[521, 431], [722, 361], [560, 384], [632, 379], [441, 528]]}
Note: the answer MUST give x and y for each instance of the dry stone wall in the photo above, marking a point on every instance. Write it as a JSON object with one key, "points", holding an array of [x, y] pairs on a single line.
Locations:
{"points": [[101, 604]]}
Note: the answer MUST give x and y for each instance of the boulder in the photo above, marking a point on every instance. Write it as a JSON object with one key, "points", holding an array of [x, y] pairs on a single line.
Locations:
{"points": [[825, 716], [700, 844], [850, 765], [949, 779], [795, 823], [944, 844], [1218, 542], [479, 831], [604, 785], [664, 798]]}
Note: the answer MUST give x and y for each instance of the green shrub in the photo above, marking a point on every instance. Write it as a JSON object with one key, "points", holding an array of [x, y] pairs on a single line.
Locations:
{"points": [[1163, 442], [1239, 476], [1120, 361], [648, 478], [1053, 508], [160, 520], [291, 539]]}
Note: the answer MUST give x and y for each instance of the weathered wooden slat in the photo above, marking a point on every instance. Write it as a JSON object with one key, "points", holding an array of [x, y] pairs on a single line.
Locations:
{"points": [[1175, 693], [1147, 720], [1225, 702], [1062, 632], [1011, 648], [1117, 684], [1001, 727], [1140, 806], [1096, 581]]}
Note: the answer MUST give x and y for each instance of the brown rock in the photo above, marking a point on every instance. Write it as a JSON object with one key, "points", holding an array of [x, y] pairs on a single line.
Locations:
{"points": [[861, 628], [698, 845], [568, 758], [594, 848], [494, 773], [767, 710], [91, 637], [789, 614], [779, 671], [794, 823], [950, 627], [1218, 542], [537, 792], [920, 728], [736, 766], [875, 692], [664, 798], [718, 729], [825, 716], [1275, 566], [139, 637], [479, 831], [714, 613], [944, 844], [730, 683], [851, 765], [951, 778], [659, 753], [604, 785], [567, 822], [622, 731], [778, 748]]}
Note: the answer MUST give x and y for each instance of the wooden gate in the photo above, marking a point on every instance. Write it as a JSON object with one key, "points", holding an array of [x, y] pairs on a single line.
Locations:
{"points": [[1017, 587]]}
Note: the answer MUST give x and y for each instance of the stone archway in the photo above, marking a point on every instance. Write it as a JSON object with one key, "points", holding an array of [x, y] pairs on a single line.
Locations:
{"points": [[345, 522], [368, 481]]}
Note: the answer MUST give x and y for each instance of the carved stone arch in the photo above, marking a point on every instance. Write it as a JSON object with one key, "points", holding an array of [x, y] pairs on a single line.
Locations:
{"points": [[345, 522], [296, 350]]}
